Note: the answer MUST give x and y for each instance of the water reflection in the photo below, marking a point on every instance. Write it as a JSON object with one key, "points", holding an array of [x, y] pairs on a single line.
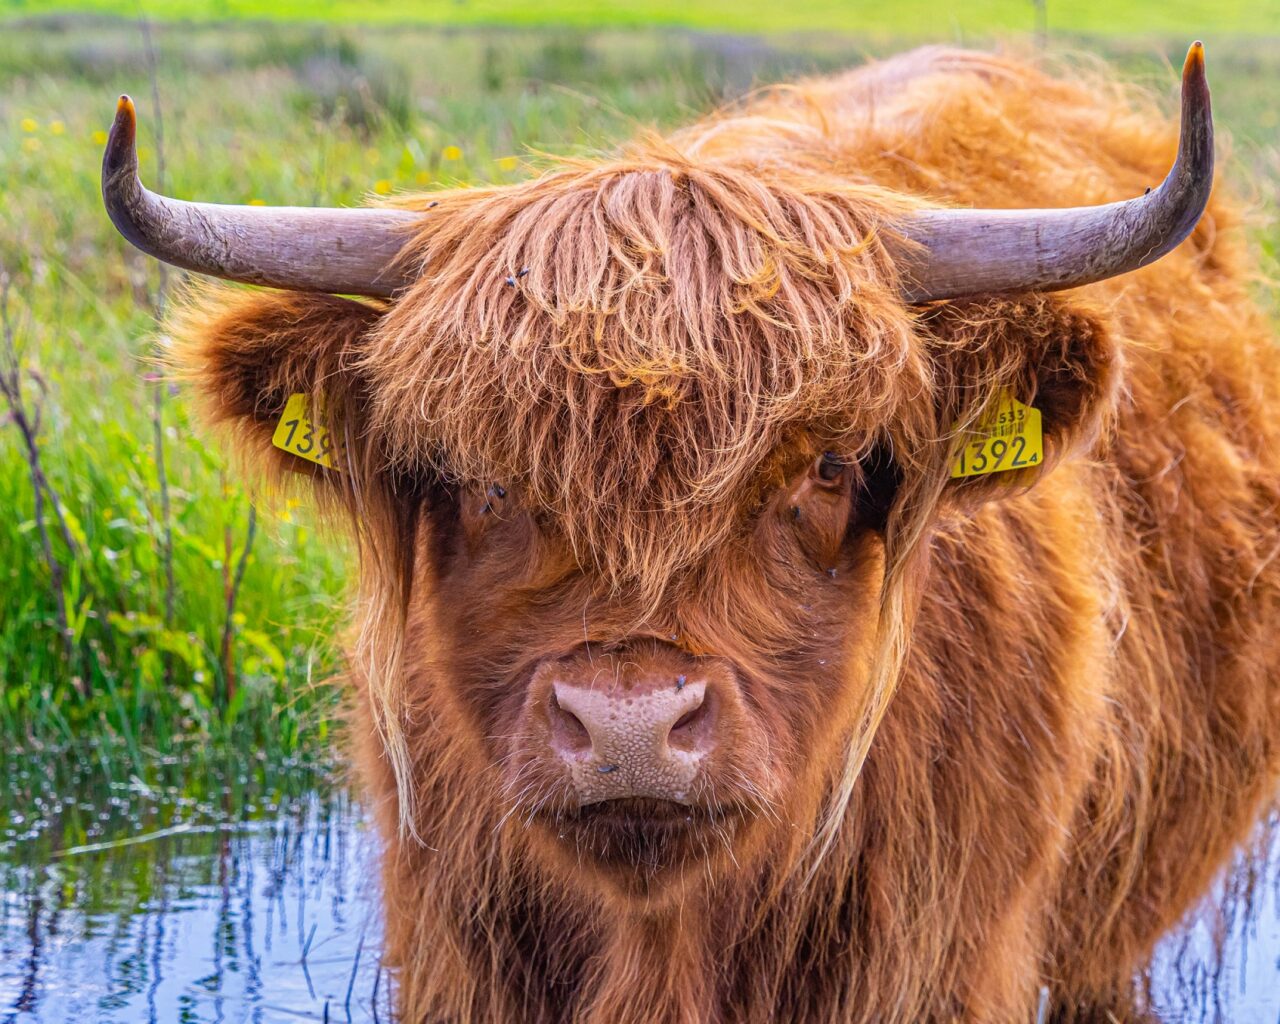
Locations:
{"points": [[269, 917], [1223, 966], [155, 902]]}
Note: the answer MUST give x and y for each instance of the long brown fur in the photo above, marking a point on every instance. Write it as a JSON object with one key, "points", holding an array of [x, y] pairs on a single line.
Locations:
{"points": [[1014, 730]]}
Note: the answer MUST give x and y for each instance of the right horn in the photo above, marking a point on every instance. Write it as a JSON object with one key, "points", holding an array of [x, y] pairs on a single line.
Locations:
{"points": [[967, 252]]}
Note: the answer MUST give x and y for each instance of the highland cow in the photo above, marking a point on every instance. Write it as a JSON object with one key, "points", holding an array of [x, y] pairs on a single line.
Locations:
{"points": [[696, 682]]}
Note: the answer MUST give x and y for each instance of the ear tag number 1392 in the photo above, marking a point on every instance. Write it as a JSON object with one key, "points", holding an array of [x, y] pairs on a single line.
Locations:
{"points": [[299, 434], [1008, 437]]}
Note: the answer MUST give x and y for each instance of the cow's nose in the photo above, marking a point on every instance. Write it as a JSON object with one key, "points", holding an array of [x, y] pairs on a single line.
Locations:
{"points": [[647, 740]]}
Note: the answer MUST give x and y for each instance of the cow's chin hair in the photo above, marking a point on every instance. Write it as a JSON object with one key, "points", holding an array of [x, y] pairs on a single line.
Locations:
{"points": [[644, 849]]}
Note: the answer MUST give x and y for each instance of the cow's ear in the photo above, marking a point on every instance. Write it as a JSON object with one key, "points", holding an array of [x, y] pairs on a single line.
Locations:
{"points": [[1049, 353], [245, 353]]}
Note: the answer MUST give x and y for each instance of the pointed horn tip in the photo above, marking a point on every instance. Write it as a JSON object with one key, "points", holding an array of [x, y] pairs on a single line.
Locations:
{"points": [[126, 118], [121, 139], [1194, 66]]}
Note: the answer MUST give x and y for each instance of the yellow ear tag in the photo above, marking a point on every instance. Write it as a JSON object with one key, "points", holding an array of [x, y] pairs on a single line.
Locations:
{"points": [[298, 434], [1007, 437]]}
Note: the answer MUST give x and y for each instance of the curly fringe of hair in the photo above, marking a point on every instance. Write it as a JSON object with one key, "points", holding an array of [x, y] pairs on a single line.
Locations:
{"points": [[632, 341]]}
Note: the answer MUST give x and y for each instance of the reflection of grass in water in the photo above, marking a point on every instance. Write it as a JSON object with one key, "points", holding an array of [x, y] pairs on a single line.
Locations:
{"points": [[287, 115], [86, 839], [266, 895], [60, 801], [1227, 952]]}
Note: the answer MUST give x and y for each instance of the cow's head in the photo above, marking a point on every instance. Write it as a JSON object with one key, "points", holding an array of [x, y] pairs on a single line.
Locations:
{"points": [[640, 452]]}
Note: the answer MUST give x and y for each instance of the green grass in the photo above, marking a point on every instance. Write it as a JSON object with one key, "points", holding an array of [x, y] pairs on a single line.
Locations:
{"points": [[286, 113], [903, 19]]}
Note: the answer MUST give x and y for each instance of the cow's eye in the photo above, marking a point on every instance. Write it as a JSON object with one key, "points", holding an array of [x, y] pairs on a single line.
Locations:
{"points": [[495, 499], [817, 506], [830, 469], [482, 508]]}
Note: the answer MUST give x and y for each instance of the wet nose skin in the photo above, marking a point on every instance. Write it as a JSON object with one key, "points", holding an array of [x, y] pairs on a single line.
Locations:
{"points": [[643, 741]]}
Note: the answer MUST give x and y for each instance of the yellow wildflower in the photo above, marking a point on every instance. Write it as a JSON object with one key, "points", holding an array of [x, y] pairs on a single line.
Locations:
{"points": [[29, 124], [423, 178], [257, 202], [382, 187], [31, 145], [99, 138], [451, 153], [508, 163], [57, 127]]}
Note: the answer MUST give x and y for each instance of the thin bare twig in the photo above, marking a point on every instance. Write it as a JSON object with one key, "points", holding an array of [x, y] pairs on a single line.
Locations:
{"points": [[28, 424]]}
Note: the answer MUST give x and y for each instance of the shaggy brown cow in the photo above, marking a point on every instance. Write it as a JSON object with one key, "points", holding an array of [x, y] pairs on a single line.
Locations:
{"points": [[650, 461]]}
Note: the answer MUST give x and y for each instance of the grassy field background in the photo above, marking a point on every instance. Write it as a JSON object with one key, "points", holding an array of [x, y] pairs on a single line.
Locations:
{"points": [[236, 651], [904, 19]]}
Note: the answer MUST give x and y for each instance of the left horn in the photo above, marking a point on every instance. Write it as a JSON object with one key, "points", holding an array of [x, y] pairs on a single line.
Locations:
{"points": [[966, 252], [311, 249]]}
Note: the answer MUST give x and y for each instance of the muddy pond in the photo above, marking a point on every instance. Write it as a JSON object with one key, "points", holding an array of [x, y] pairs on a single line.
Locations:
{"points": [[254, 898]]}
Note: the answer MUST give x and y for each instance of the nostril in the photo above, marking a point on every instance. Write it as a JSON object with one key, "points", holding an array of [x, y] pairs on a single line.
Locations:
{"points": [[686, 719], [568, 734], [692, 730]]}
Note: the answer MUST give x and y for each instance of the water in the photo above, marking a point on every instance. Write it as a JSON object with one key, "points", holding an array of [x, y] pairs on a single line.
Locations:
{"points": [[261, 906], [254, 898], [1242, 986]]}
